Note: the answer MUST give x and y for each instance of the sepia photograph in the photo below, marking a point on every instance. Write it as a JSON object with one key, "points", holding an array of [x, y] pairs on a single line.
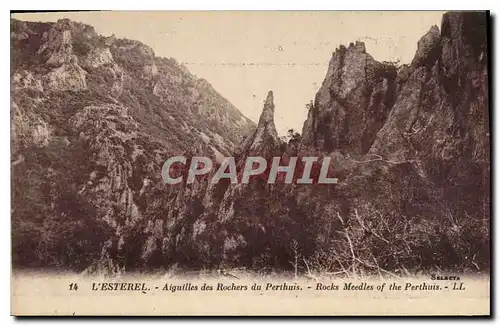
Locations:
{"points": [[274, 162]]}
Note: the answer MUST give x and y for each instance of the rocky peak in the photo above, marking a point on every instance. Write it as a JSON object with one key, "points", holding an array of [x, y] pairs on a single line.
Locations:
{"points": [[427, 48], [267, 115], [57, 42], [352, 103], [57, 45], [265, 138]]}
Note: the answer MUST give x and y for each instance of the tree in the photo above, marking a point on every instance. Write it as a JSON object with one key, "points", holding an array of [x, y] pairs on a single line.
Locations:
{"points": [[310, 106], [292, 135]]}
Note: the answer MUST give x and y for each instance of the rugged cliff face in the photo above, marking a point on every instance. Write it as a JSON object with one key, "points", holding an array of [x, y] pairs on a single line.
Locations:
{"points": [[94, 118], [423, 158]]}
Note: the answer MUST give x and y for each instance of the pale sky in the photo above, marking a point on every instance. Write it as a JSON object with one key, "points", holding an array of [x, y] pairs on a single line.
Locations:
{"points": [[246, 54]]}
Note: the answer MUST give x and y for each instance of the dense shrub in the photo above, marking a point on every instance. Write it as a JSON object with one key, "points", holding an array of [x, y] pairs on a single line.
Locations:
{"points": [[53, 226]]}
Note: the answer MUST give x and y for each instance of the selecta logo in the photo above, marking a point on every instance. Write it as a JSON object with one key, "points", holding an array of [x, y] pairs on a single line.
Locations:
{"points": [[303, 170]]}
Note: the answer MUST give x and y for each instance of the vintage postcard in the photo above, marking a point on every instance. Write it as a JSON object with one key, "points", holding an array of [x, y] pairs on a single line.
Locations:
{"points": [[250, 163]]}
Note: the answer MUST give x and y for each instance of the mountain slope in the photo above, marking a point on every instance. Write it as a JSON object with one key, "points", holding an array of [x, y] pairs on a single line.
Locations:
{"points": [[93, 120]]}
